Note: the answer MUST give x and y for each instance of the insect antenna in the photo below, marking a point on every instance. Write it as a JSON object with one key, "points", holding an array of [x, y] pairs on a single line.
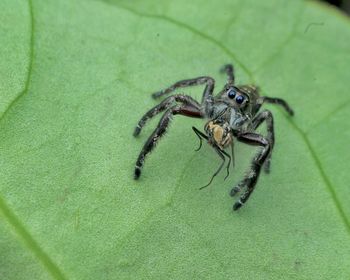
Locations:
{"points": [[232, 155], [200, 136], [220, 153]]}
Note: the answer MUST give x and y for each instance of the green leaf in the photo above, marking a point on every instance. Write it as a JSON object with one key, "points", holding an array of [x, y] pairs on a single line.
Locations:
{"points": [[75, 78]]}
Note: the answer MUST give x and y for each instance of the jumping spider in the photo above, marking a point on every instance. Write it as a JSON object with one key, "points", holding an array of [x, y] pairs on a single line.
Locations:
{"points": [[232, 113]]}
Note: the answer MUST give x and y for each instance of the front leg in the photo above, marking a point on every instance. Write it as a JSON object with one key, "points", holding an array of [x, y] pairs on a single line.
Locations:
{"points": [[161, 129], [207, 99], [280, 102], [256, 122], [273, 100], [184, 83], [252, 176], [166, 104]]}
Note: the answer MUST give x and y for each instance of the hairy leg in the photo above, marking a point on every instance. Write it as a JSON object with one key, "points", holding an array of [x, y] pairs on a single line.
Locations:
{"points": [[185, 83], [256, 122], [280, 102], [229, 70], [253, 174], [207, 98], [166, 104], [160, 131], [274, 100]]}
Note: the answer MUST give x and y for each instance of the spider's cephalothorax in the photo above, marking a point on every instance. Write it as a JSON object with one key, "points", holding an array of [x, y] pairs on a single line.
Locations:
{"points": [[234, 113]]}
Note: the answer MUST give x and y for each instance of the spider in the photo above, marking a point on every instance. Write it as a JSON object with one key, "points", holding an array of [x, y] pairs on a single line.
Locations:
{"points": [[233, 114]]}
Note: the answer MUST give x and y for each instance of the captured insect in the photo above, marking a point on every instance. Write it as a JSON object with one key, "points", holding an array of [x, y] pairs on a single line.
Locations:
{"points": [[233, 114]]}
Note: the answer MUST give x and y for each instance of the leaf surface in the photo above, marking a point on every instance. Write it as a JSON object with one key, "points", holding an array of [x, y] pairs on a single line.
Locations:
{"points": [[75, 78]]}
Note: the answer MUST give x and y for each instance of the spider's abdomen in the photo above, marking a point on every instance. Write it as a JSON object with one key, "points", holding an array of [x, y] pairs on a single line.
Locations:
{"points": [[219, 134]]}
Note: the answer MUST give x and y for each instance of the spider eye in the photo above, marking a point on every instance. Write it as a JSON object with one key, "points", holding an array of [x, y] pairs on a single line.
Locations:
{"points": [[231, 93], [240, 99]]}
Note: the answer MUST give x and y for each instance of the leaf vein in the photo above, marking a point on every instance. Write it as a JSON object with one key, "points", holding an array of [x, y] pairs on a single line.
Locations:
{"points": [[30, 242], [288, 39], [193, 30], [329, 115], [323, 174], [51, 267], [30, 64]]}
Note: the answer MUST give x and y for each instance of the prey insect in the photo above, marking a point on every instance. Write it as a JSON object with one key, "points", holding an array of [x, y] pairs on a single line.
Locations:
{"points": [[233, 114]]}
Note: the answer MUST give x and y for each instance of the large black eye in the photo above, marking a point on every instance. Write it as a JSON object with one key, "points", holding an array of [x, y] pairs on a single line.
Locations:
{"points": [[240, 99], [231, 93]]}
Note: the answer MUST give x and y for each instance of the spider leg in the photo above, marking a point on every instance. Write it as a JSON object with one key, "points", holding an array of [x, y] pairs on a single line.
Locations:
{"points": [[229, 70], [160, 130], [280, 102], [252, 176], [219, 152], [185, 83], [256, 122], [165, 104], [207, 98], [200, 136], [274, 100]]}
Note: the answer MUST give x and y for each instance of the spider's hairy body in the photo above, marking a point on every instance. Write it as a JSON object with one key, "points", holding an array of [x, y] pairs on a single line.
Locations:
{"points": [[233, 114]]}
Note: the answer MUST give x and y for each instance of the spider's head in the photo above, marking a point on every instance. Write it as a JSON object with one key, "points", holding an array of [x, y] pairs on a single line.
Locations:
{"points": [[241, 98]]}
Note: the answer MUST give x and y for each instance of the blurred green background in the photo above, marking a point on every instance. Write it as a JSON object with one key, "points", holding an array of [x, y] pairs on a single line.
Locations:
{"points": [[76, 76]]}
